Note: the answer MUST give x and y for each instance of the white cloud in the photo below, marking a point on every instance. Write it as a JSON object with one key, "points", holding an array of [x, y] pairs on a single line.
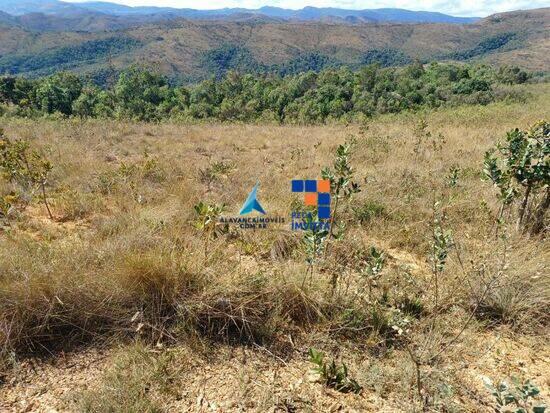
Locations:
{"points": [[454, 7]]}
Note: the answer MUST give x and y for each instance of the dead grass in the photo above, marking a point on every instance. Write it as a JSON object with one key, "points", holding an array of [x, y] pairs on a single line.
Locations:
{"points": [[123, 261]]}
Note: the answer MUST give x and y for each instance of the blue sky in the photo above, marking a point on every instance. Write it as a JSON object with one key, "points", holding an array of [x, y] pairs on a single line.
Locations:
{"points": [[455, 7]]}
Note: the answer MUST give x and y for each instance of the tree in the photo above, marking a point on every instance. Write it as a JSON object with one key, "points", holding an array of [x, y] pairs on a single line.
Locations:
{"points": [[58, 92], [138, 92], [85, 105], [25, 167], [520, 169], [7, 89], [512, 75]]}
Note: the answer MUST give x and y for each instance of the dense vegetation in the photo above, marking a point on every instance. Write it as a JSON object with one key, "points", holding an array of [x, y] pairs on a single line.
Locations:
{"points": [[67, 57], [489, 45], [228, 57], [309, 97], [386, 57]]}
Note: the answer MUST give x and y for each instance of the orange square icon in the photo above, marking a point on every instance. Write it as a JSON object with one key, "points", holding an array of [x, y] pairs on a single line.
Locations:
{"points": [[311, 199], [323, 185]]}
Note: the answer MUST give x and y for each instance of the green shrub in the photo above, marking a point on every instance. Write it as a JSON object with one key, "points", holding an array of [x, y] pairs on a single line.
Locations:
{"points": [[515, 397], [25, 167], [520, 169], [369, 210]]}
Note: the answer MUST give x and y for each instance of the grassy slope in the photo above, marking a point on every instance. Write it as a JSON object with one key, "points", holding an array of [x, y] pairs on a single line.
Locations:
{"points": [[123, 243]]}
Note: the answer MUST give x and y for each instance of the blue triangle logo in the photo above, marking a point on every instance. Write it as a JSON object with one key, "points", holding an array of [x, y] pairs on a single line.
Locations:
{"points": [[251, 203]]}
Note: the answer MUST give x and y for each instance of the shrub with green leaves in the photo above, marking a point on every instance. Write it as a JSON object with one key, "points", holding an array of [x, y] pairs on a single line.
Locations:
{"points": [[25, 167], [514, 397], [341, 178], [331, 374], [369, 210], [452, 176], [442, 242], [7, 206], [314, 239], [373, 267], [213, 171], [206, 221], [520, 169]]}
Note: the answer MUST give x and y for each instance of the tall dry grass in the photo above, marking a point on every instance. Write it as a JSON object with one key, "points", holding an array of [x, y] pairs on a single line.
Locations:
{"points": [[123, 259]]}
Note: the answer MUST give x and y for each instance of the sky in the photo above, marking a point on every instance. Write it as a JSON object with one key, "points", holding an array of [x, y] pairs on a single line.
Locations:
{"points": [[480, 8]]}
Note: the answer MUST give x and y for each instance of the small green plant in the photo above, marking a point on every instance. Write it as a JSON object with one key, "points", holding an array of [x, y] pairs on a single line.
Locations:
{"points": [[132, 175], [314, 240], [26, 167], [332, 375], [341, 179], [514, 397], [7, 205], [389, 323], [421, 133], [442, 241], [424, 136], [520, 169], [373, 267], [366, 212], [412, 306], [452, 176], [206, 221], [211, 173]]}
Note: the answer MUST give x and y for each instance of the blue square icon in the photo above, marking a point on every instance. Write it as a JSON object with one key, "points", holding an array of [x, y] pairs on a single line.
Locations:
{"points": [[297, 185], [323, 212], [323, 199], [311, 186]]}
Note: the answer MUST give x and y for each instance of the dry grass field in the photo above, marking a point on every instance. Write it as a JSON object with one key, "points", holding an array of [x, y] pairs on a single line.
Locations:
{"points": [[122, 304]]}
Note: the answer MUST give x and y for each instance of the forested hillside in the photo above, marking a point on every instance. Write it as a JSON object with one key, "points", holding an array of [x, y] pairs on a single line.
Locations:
{"points": [[190, 51]]}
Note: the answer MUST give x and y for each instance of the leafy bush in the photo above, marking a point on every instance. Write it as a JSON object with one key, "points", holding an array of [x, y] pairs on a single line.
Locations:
{"points": [[25, 167], [369, 210], [7, 207], [374, 264], [520, 169], [58, 92], [206, 222], [512, 75]]}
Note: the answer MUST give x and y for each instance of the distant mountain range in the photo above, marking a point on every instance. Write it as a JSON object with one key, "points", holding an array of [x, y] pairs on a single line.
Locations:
{"points": [[70, 10], [38, 38]]}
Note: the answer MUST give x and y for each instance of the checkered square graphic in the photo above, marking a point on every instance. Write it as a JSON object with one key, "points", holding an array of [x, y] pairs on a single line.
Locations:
{"points": [[316, 193]]}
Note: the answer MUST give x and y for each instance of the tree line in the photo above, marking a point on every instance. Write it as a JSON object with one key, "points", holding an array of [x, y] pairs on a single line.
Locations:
{"points": [[308, 97]]}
